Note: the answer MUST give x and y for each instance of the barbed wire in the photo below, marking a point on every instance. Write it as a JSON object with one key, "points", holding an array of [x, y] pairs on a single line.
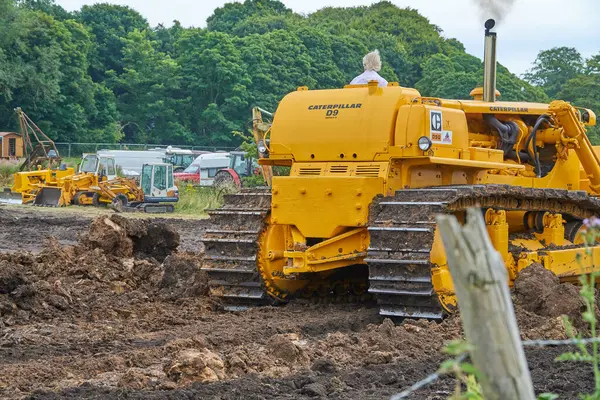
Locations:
{"points": [[548, 343], [427, 381], [529, 343]]}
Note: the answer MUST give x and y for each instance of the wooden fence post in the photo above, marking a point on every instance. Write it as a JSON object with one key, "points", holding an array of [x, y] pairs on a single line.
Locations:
{"points": [[481, 285]]}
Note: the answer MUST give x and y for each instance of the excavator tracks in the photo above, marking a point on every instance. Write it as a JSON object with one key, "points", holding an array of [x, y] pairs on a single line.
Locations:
{"points": [[402, 229]]}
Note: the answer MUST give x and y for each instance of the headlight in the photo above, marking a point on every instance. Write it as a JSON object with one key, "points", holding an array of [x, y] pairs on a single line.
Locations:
{"points": [[261, 147], [424, 143]]}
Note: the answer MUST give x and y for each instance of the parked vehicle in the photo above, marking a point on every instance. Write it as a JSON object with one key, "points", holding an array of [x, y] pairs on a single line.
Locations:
{"points": [[131, 161], [204, 169], [180, 159], [240, 166]]}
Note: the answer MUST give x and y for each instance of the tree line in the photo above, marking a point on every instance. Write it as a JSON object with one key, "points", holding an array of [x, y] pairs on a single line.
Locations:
{"points": [[103, 74]]}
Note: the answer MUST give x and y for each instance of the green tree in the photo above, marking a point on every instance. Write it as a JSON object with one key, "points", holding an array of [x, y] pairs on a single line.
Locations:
{"points": [[214, 78], [584, 91], [149, 93], [553, 68], [227, 18], [110, 24], [44, 70], [47, 6]]}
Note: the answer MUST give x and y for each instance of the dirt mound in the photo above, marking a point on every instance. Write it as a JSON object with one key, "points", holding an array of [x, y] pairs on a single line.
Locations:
{"points": [[124, 237], [10, 277], [537, 290], [182, 276], [117, 263]]}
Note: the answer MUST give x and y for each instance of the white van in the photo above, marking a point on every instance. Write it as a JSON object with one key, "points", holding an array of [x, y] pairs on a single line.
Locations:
{"points": [[204, 168], [131, 161]]}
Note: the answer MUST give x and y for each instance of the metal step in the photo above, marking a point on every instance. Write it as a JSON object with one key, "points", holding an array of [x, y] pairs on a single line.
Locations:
{"points": [[246, 294], [230, 232], [398, 229], [227, 240], [235, 212]]}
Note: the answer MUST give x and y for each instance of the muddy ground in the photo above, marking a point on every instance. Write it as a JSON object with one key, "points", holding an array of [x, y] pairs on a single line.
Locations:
{"points": [[26, 228], [108, 307]]}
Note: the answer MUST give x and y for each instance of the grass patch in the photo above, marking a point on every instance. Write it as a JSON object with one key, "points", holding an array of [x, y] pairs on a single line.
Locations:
{"points": [[7, 169], [194, 200]]}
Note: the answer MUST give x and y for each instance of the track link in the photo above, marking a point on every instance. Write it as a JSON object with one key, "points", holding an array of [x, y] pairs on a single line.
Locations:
{"points": [[402, 228], [231, 246], [401, 237]]}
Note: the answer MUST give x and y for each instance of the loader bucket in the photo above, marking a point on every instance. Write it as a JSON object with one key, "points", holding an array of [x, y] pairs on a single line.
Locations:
{"points": [[8, 197], [48, 197]]}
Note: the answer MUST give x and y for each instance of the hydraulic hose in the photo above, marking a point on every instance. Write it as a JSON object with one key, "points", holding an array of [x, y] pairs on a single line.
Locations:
{"points": [[508, 132], [535, 156]]}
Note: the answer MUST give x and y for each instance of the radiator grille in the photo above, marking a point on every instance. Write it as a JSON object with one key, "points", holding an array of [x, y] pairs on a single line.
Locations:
{"points": [[310, 171], [367, 170], [338, 169]]}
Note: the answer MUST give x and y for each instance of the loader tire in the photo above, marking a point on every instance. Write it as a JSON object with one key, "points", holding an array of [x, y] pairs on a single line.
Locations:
{"points": [[77, 198], [96, 200], [119, 203]]}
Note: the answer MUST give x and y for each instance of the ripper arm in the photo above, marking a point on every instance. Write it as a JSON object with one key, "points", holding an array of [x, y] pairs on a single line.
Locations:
{"points": [[567, 117]]}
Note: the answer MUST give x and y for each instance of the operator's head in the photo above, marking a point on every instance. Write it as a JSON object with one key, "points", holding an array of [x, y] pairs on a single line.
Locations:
{"points": [[372, 61]]}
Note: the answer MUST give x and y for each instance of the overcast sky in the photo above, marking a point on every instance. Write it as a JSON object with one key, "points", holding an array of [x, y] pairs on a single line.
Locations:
{"points": [[529, 26]]}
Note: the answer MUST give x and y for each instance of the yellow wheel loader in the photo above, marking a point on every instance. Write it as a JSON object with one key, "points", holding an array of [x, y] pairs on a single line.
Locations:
{"points": [[63, 186], [96, 184], [370, 167]]}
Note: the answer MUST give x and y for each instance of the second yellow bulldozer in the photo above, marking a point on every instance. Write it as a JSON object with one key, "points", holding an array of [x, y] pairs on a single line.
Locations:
{"points": [[370, 167]]}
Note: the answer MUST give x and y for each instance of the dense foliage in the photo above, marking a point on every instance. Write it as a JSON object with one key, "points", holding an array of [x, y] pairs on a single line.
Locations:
{"points": [[104, 74], [564, 74]]}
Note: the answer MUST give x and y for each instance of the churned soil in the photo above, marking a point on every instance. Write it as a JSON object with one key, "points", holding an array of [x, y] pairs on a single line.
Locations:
{"points": [[26, 227], [121, 311]]}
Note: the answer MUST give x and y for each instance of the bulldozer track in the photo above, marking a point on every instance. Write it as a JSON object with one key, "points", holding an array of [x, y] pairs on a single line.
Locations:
{"points": [[401, 230], [231, 247]]}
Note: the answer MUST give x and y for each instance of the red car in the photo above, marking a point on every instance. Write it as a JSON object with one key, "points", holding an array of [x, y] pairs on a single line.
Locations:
{"points": [[191, 174]]}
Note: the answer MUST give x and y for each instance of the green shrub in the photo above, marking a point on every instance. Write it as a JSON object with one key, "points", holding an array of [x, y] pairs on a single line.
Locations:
{"points": [[196, 200], [7, 169]]}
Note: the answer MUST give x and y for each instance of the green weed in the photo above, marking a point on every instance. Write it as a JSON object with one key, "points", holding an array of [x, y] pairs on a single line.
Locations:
{"points": [[7, 169], [196, 200]]}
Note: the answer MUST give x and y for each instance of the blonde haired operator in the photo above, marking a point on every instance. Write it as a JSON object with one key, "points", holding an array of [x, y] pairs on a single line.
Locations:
{"points": [[372, 64]]}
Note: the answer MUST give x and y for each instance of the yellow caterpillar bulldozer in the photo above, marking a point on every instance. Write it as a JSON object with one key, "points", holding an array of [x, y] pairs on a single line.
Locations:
{"points": [[370, 167]]}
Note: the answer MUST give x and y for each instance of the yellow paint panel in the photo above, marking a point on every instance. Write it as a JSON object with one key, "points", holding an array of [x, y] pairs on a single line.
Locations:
{"points": [[319, 207], [337, 125], [499, 107]]}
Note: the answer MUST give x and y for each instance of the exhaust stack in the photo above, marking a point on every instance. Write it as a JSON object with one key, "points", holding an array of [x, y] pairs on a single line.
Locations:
{"points": [[489, 63]]}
